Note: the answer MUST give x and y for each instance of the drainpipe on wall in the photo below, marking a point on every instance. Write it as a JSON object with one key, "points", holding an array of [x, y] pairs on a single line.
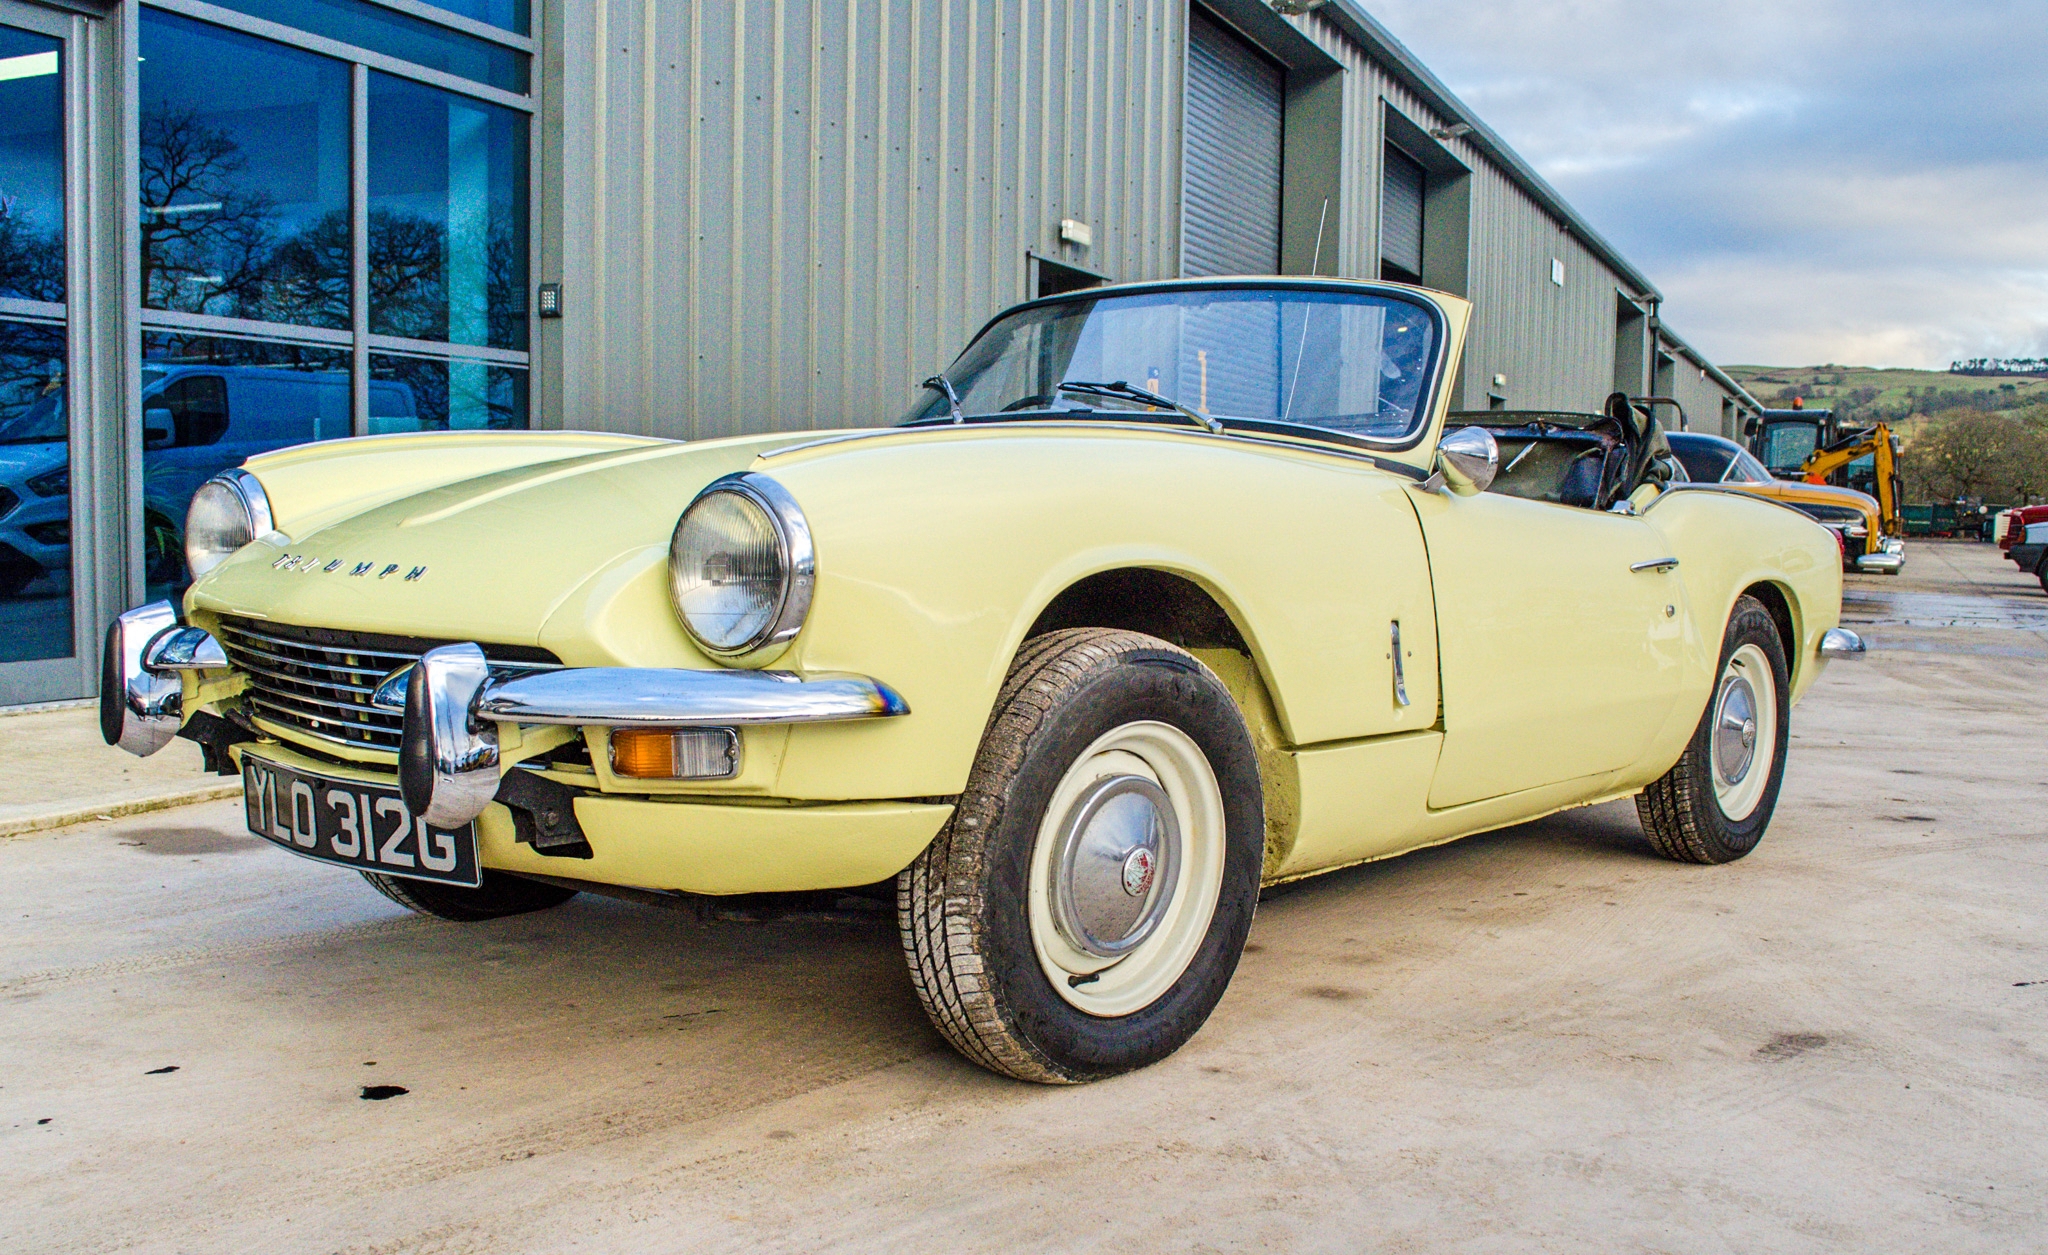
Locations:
{"points": [[1656, 344]]}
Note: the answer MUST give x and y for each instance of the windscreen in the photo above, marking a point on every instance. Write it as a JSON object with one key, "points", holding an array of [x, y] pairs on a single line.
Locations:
{"points": [[1705, 461], [1786, 445], [1353, 363]]}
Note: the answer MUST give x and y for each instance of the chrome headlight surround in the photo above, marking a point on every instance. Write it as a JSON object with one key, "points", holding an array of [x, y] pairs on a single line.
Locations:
{"points": [[796, 559], [212, 541]]}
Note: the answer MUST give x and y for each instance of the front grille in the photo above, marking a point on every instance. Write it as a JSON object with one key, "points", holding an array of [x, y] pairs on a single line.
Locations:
{"points": [[318, 681]]}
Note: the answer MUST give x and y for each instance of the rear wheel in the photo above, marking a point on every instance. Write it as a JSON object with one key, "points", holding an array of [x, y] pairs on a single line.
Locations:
{"points": [[499, 895], [1715, 802], [1084, 909]]}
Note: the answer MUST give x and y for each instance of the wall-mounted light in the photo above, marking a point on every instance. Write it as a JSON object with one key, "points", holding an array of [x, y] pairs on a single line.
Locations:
{"points": [[1076, 232], [1557, 272], [1295, 8], [1452, 131]]}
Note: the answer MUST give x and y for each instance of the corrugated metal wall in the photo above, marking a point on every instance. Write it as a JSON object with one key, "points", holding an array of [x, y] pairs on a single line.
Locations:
{"points": [[1696, 390], [779, 214]]}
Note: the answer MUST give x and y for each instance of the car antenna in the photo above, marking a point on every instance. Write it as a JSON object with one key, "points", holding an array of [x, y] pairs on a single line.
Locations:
{"points": [[939, 383]]}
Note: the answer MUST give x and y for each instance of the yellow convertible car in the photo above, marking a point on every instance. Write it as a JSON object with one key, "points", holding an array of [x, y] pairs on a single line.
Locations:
{"points": [[1167, 592]]}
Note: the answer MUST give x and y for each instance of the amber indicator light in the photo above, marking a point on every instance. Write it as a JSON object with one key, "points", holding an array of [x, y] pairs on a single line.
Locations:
{"points": [[675, 753], [644, 753]]}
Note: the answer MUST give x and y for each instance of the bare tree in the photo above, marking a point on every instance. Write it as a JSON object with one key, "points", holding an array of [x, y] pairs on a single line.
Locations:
{"points": [[204, 238], [1965, 453]]}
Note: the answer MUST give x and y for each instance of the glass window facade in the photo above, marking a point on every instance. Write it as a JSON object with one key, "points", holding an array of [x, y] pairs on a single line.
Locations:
{"points": [[251, 275], [36, 608], [435, 394], [244, 169], [376, 29], [447, 216]]}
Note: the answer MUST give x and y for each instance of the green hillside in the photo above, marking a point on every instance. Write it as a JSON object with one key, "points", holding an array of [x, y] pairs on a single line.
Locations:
{"points": [[1982, 437], [1900, 397]]}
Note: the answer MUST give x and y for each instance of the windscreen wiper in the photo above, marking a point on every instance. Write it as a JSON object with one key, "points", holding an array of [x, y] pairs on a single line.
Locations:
{"points": [[939, 383], [1123, 391]]}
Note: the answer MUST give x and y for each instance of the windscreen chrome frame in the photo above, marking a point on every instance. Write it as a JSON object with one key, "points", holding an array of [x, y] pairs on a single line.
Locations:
{"points": [[1428, 397]]}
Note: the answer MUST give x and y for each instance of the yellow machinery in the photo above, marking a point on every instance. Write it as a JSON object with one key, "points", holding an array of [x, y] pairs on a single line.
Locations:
{"points": [[1836, 464], [1810, 444]]}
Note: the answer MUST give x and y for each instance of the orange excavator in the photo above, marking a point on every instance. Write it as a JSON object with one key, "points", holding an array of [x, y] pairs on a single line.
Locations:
{"points": [[1808, 444], [1838, 464]]}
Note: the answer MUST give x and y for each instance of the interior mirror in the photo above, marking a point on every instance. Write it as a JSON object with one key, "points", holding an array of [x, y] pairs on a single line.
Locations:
{"points": [[1468, 458], [1749, 426], [158, 428]]}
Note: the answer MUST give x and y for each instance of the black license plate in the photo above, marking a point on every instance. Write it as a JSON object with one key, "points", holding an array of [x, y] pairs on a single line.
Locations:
{"points": [[353, 824]]}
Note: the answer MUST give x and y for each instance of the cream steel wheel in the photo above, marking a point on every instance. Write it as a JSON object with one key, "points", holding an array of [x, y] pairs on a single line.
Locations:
{"points": [[1716, 801], [1126, 869], [1745, 725], [1083, 910]]}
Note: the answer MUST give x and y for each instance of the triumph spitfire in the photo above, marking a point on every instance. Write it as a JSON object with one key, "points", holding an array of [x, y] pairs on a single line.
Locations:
{"points": [[1165, 592]]}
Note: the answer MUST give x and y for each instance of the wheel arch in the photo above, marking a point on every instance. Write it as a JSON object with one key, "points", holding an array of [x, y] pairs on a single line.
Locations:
{"points": [[1181, 609], [1783, 604]]}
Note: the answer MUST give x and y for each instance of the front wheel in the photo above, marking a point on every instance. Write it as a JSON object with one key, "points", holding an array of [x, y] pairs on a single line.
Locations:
{"points": [[1083, 910], [1715, 802]]}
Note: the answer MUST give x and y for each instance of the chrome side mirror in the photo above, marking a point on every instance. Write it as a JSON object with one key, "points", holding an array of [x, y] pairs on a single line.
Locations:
{"points": [[1468, 458], [447, 757]]}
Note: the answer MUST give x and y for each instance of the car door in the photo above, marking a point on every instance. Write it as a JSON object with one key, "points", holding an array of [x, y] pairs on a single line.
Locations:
{"points": [[1559, 637]]}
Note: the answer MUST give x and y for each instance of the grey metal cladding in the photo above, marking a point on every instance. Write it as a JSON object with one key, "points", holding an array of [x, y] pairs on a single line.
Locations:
{"points": [[781, 216], [1401, 212], [1230, 223]]}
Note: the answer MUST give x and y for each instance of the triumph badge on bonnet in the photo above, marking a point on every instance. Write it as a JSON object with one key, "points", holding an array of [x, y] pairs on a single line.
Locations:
{"points": [[305, 564]]}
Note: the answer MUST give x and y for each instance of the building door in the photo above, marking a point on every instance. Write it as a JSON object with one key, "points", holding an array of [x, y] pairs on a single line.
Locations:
{"points": [[48, 451], [1401, 196], [1230, 185]]}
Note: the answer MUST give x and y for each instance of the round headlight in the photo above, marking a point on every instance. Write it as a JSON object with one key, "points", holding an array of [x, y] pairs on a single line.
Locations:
{"points": [[227, 512], [740, 567]]}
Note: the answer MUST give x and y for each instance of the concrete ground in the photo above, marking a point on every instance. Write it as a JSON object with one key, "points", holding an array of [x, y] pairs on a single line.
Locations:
{"points": [[1543, 1039], [56, 770]]}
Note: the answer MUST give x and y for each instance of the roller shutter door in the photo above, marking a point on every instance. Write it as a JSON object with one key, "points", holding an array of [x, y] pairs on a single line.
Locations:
{"points": [[1401, 218], [1230, 208]]}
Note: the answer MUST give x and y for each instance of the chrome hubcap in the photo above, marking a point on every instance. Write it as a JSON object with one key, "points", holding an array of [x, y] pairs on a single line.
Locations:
{"points": [[1735, 730], [1113, 870]]}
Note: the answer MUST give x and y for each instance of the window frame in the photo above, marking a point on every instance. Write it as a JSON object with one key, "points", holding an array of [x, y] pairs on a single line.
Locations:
{"points": [[357, 338]]}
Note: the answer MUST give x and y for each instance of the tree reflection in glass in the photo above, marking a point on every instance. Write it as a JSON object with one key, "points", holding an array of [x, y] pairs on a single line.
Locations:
{"points": [[244, 176]]}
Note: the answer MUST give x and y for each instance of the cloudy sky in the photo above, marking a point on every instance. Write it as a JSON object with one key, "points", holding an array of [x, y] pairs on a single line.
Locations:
{"points": [[1807, 181]]}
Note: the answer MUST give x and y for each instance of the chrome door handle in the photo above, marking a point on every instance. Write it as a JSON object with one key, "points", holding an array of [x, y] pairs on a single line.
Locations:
{"points": [[1400, 672], [1655, 564]]}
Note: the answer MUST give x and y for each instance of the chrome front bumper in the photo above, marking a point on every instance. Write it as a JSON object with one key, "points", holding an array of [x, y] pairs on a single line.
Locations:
{"points": [[453, 704]]}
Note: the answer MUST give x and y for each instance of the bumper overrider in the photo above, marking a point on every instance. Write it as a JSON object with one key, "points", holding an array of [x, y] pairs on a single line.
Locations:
{"points": [[1886, 561], [453, 702]]}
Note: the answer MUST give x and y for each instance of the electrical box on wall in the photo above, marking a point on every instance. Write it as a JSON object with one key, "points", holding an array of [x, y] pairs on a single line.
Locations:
{"points": [[1557, 272]]}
